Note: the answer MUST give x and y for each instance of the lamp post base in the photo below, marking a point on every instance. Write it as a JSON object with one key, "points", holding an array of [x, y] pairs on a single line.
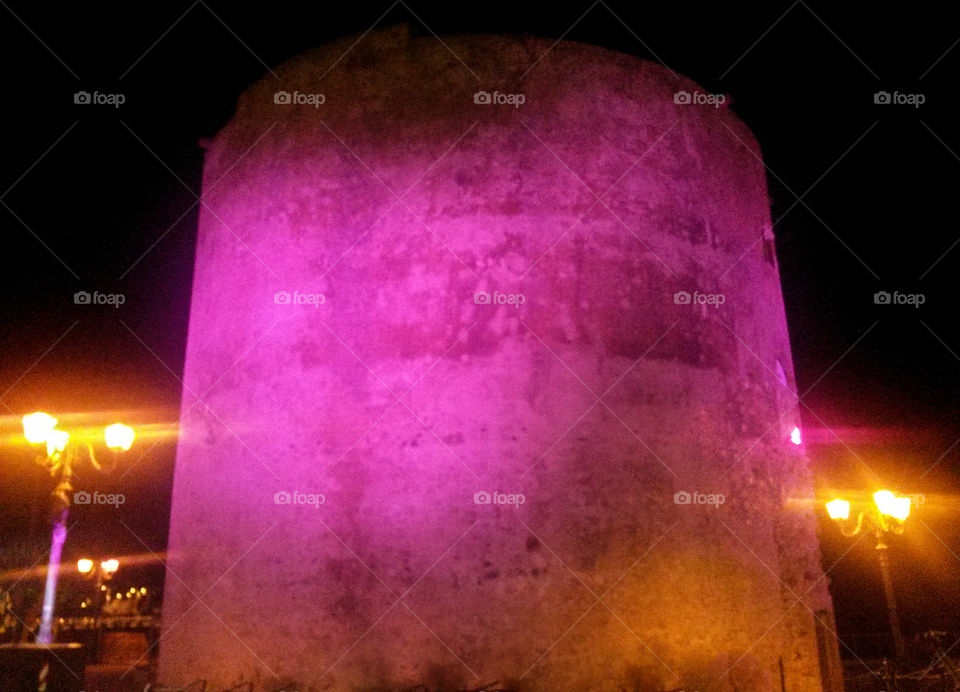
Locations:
{"points": [[884, 558]]}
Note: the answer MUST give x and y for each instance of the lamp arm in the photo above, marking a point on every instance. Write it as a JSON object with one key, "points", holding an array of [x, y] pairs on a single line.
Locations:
{"points": [[93, 458], [856, 530]]}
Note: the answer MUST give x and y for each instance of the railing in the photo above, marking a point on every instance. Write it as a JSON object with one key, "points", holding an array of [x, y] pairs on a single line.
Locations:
{"points": [[189, 687], [489, 687], [926, 668]]}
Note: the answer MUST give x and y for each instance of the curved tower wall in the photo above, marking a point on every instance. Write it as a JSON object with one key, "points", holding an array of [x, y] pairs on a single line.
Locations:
{"points": [[485, 349]]}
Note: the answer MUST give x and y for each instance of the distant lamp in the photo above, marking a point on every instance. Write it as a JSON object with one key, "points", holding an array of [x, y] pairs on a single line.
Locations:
{"points": [[38, 426], [109, 567], [892, 506], [84, 565], [795, 436], [119, 437], [57, 441], [838, 509]]}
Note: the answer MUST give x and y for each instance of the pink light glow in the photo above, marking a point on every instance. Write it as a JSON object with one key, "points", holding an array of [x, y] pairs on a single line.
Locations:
{"points": [[795, 436], [45, 634]]}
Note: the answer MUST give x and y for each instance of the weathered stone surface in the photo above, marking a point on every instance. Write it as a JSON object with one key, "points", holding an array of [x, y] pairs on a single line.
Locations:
{"points": [[400, 396]]}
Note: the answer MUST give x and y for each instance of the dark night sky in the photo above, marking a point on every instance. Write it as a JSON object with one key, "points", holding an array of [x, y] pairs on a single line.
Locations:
{"points": [[92, 201]]}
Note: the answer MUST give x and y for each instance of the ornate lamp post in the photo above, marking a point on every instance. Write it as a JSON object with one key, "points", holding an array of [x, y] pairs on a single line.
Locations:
{"points": [[61, 455], [886, 516]]}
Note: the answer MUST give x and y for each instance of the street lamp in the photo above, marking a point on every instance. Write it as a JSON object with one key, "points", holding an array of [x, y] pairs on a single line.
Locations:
{"points": [[104, 572], [887, 515], [62, 453]]}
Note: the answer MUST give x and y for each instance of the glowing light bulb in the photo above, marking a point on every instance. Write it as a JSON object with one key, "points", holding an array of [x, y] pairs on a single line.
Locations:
{"points": [[110, 566], [901, 509], [884, 500], [84, 565], [891, 505], [57, 441], [838, 509], [38, 426], [119, 436], [795, 436]]}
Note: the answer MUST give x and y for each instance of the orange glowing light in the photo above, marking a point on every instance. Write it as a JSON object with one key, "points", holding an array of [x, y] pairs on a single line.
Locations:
{"points": [[891, 505], [838, 509], [119, 436], [57, 441], [38, 426]]}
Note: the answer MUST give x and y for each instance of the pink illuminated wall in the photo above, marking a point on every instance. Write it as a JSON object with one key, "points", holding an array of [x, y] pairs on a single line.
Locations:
{"points": [[488, 379]]}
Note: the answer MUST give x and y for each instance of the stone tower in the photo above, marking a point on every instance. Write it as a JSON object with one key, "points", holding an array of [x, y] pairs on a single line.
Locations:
{"points": [[488, 379]]}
